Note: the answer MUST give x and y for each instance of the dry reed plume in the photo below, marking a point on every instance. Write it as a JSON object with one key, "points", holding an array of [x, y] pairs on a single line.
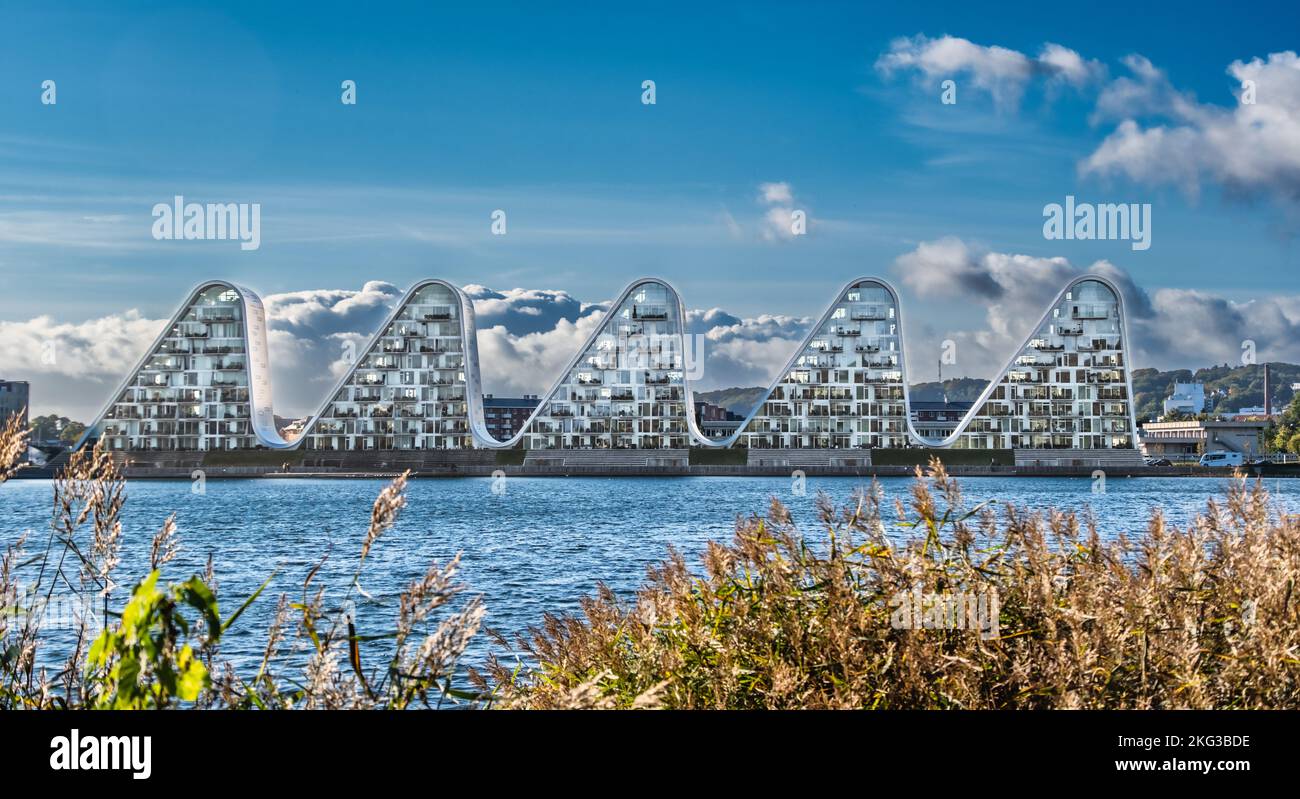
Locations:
{"points": [[1205, 617], [1201, 617], [163, 649]]}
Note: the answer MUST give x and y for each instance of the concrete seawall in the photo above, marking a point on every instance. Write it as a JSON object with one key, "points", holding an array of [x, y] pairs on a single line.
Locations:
{"points": [[737, 470]]}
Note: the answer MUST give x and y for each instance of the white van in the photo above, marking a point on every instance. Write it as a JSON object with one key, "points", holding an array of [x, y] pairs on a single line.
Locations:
{"points": [[1221, 458]]}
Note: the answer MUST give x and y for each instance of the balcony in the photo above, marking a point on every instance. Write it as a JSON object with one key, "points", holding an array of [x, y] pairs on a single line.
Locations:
{"points": [[649, 312], [870, 315]]}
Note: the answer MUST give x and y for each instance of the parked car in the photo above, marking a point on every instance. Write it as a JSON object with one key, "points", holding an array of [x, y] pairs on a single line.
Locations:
{"points": [[1221, 458], [1261, 462], [1159, 462]]}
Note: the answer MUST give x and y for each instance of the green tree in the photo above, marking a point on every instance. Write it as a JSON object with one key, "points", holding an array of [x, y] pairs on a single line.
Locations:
{"points": [[71, 432], [1289, 425], [53, 426]]}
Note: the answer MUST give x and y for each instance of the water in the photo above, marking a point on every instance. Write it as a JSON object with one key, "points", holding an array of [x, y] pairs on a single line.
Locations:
{"points": [[539, 547]]}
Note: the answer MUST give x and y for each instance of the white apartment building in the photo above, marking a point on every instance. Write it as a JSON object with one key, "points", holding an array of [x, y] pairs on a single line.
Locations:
{"points": [[1068, 387], [626, 389], [1187, 398], [408, 389], [206, 383], [844, 389]]}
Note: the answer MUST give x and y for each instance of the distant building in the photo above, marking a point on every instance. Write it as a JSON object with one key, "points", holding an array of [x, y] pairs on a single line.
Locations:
{"points": [[1195, 437], [1187, 398], [715, 421], [1258, 411], [506, 416], [937, 420], [14, 398], [293, 429]]}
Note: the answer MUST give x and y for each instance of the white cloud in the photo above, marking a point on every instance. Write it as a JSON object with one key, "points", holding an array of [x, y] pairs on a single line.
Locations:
{"points": [[777, 223], [775, 193], [1251, 149], [1170, 328], [1064, 64], [1001, 72], [526, 310], [519, 354]]}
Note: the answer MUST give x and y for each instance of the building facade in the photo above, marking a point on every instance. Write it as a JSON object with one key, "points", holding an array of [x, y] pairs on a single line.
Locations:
{"points": [[1189, 439], [715, 421], [626, 389], [1068, 387], [15, 397], [409, 388], [937, 420], [205, 383], [1186, 398], [504, 417], [845, 389]]}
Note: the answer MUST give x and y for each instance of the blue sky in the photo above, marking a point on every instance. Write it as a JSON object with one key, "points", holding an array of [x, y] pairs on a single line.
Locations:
{"points": [[465, 110]]}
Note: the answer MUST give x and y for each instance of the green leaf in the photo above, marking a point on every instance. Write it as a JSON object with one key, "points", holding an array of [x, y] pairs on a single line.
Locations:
{"points": [[197, 595], [226, 626]]}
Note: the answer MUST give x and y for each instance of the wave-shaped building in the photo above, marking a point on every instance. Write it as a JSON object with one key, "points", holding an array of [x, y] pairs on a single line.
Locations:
{"points": [[205, 383], [410, 387]]}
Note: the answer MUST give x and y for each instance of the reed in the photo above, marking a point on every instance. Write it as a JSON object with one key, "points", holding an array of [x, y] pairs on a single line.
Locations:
{"points": [[161, 649], [1202, 617], [969, 607]]}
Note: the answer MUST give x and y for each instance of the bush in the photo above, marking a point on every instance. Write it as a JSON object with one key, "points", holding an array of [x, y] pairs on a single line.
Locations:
{"points": [[974, 609], [160, 650]]}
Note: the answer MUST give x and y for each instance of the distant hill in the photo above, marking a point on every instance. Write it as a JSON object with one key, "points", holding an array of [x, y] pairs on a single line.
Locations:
{"points": [[742, 400], [957, 389], [1228, 389], [736, 400]]}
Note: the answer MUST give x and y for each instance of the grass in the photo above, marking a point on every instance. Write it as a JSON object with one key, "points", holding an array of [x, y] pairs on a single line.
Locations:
{"points": [[969, 608], [253, 457], [974, 608], [919, 456], [159, 646], [715, 456], [511, 457]]}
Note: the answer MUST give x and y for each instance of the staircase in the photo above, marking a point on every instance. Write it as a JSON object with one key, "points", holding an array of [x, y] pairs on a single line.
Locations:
{"points": [[815, 458], [601, 458]]}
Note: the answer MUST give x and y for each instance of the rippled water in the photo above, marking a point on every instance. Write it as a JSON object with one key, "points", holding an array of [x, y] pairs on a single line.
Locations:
{"points": [[538, 547]]}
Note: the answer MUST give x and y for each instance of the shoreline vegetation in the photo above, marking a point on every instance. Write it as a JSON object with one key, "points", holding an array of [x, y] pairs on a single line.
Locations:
{"points": [[973, 608]]}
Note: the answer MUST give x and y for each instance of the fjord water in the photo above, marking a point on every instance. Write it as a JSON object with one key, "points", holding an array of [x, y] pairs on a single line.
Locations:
{"points": [[539, 546]]}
